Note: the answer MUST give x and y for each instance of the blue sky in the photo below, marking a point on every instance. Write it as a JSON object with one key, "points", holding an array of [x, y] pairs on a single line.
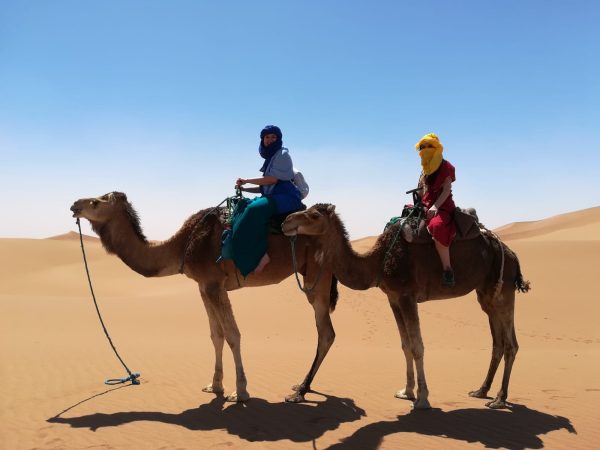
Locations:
{"points": [[165, 100]]}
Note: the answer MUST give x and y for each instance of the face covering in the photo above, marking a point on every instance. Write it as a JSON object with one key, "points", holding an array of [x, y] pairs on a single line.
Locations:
{"points": [[268, 152], [431, 159]]}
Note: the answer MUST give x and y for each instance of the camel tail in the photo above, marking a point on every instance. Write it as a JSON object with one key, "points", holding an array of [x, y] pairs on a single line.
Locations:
{"points": [[333, 294], [521, 284]]}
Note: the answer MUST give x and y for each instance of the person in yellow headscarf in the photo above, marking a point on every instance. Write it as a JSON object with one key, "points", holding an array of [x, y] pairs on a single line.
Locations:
{"points": [[436, 181]]}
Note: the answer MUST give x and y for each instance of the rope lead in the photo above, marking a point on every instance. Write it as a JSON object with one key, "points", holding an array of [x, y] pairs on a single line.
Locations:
{"points": [[133, 377]]}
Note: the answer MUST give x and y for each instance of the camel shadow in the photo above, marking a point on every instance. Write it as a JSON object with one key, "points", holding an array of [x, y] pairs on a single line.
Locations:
{"points": [[255, 420], [517, 429]]}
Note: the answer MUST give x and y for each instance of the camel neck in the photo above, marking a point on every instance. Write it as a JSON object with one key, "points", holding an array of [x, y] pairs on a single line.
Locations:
{"points": [[354, 270], [150, 259]]}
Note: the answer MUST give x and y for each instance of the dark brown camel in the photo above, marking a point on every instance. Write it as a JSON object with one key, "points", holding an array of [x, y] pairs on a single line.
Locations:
{"points": [[411, 273], [194, 249]]}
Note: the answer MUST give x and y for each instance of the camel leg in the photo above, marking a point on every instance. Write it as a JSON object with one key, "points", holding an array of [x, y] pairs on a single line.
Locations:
{"points": [[511, 347], [218, 297], [504, 344], [408, 392], [218, 340], [326, 336], [410, 314], [496, 355]]}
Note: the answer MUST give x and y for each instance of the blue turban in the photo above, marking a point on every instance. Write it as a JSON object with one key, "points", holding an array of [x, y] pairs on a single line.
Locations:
{"points": [[268, 152]]}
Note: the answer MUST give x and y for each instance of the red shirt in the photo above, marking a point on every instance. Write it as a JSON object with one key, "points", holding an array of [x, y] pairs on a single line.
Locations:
{"points": [[434, 188]]}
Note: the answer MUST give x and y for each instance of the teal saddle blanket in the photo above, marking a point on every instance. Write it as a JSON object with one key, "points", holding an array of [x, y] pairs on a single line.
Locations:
{"points": [[246, 241]]}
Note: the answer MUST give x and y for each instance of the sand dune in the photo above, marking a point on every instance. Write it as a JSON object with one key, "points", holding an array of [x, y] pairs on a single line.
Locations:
{"points": [[55, 357], [73, 236], [579, 225]]}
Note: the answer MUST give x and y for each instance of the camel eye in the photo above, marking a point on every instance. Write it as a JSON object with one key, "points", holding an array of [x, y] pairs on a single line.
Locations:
{"points": [[94, 203], [315, 215]]}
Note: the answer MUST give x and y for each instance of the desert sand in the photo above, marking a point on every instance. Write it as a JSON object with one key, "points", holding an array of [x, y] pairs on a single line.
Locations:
{"points": [[55, 357]]}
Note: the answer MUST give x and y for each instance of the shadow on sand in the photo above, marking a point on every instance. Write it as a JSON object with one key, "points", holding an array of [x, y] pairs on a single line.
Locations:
{"points": [[255, 420], [517, 428]]}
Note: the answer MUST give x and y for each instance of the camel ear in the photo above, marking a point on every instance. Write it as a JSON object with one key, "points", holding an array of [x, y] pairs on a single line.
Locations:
{"points": [[331, 209]]}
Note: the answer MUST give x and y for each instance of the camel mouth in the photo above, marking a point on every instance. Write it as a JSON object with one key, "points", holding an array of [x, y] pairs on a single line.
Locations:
{"points": [[289, 231], [76, 211]]}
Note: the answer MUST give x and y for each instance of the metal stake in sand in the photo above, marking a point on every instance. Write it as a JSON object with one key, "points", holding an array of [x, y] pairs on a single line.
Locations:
{"points": [[133, 377]]}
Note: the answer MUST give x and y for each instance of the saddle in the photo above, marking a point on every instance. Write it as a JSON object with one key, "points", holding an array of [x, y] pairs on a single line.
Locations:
{"points": [[277, 220], [226, 238], [466, 220]]}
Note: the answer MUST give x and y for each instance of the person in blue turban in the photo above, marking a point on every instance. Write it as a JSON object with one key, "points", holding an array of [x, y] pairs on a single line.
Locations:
{"points": [[279, 195]]}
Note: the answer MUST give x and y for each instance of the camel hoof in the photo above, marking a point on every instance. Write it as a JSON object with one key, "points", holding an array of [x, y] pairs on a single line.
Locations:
{"points": [[479, 393], [405, 395], [496, 404], [238, 397], [213, 389], [421, 404], [296, 397]]}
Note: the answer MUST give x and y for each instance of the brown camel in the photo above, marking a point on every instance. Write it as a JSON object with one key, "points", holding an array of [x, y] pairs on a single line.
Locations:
{"points": [[411, 273], [193, 251]]}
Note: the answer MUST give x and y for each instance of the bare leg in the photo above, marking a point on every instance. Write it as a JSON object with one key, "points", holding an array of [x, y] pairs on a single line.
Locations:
{"points": [[262, 263], [444, 253]]}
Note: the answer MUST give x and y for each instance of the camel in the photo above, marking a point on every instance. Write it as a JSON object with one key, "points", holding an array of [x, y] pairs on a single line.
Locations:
{"points": [[410, 274], [193, 251]]}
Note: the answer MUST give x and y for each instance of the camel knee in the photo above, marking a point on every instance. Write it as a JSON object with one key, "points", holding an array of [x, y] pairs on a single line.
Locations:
{"points": [[327, 339], [497, 351], [418, 351], [233, 339], [217, 338], [510, 351]]}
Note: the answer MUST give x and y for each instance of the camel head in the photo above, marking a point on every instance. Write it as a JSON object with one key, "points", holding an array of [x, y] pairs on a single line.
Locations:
{"points": [[100, 211], [314, 221]]}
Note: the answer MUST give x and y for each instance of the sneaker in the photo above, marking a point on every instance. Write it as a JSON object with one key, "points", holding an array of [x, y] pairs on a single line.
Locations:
{"points": [[448, 278]]}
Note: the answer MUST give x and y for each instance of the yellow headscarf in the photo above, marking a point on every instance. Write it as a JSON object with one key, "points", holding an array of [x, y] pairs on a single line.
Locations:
{"points": [[431, 158]]}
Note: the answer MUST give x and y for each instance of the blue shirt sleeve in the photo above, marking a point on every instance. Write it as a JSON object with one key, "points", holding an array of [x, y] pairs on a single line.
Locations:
{"points": [[281, 167]]}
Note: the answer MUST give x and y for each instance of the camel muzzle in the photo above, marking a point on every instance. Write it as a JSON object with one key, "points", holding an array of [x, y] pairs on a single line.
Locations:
{"points": [[289, 231], [76, 210]]}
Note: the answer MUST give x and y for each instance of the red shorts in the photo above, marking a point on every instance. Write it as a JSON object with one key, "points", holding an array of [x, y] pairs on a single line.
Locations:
{"points": [[442, 227]]}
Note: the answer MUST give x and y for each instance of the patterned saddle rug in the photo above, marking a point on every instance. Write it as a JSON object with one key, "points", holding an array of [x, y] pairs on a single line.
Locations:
{"points": [[415, 231]]}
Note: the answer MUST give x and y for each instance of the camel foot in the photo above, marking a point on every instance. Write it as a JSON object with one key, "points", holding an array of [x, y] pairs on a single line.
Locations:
{"points": [[238, 397], [213, 389], [479, 393], [422, 403], [296, 397], [497, 404], [405, 394], [300, 388]]}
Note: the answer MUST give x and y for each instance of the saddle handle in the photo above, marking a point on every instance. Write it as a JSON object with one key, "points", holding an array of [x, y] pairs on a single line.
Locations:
{"points": [[416, 197]]}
